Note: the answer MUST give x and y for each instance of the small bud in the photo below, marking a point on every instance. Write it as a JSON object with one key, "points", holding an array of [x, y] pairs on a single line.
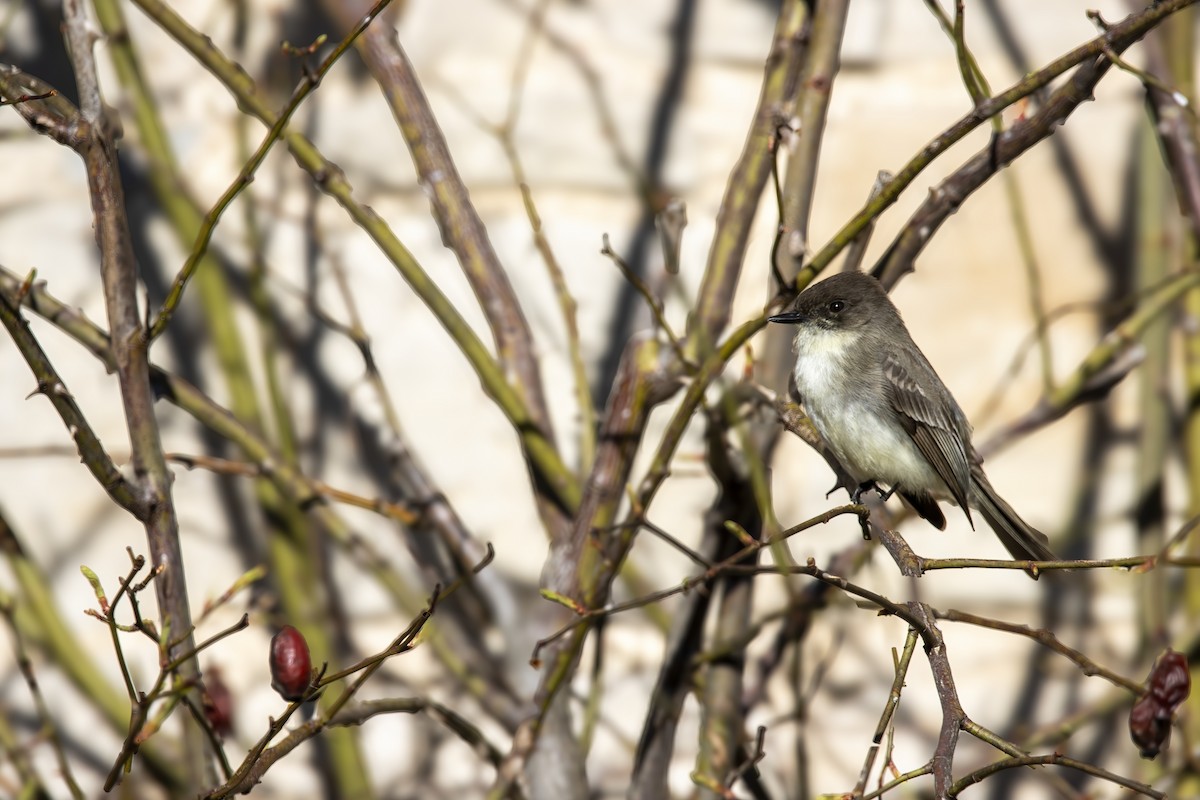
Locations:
{"points": [[1148, 728], [291, 665], [1169, 681], [1150, 718], [218, 703]]}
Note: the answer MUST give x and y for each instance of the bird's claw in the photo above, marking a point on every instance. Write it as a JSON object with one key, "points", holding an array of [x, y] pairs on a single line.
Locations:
{"points": [[866, 486]]}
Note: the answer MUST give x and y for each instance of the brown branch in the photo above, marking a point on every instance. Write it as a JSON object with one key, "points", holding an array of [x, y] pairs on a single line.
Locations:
{"points": [[1047, 639], [290, 482], [889, 709], [88, 133], [1118, 37], [88, 445], [583, 565], [1175, 126], [721, 712], [821, 65], [1053, 758], [945, 198], [652, 759], [199, 248], [953, 715]]}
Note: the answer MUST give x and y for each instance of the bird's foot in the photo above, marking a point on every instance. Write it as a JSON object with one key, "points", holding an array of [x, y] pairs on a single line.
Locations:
{"points": [[866, 486]]}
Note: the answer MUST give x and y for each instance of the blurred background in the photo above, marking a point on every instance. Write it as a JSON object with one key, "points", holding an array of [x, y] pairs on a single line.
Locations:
{"points": [[606, 112]]}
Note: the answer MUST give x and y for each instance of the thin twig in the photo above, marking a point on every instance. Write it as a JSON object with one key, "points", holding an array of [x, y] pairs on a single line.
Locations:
{"points": [[245, 176], [1118, 37], [329, 178], [889, 709], [1047, 639], [49, 731], [50, 385], [464, 233]]}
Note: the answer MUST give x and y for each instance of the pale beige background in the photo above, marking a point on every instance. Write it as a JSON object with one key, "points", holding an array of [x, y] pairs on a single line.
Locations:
{"points": [[966, 305]]}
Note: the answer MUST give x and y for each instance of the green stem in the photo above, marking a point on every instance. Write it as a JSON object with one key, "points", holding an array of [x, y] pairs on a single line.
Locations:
{"points": [[539, 449]]}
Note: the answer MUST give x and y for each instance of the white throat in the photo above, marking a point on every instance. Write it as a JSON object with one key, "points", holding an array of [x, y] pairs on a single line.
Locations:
{"points": [[822, 357]]}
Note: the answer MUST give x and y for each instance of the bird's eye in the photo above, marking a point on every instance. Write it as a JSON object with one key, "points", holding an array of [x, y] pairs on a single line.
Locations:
{"points": [[837, 306]]}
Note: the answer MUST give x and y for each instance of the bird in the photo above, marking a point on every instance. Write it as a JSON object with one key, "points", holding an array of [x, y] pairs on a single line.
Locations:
{"points": [[885, 415]]}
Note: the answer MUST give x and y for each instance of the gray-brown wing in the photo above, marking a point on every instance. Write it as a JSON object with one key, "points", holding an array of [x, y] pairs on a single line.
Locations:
{"points": [[937, 430]]}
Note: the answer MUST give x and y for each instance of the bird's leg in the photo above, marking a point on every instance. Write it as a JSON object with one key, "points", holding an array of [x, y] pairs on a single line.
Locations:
{"points": [[856, 495], [866, 486]]}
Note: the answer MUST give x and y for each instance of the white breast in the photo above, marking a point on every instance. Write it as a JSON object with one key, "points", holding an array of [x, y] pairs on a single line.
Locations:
{"points": [[821, 361], [871, 447]]}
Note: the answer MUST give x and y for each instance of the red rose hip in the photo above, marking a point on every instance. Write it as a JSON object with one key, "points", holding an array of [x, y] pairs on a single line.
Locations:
{"points": [[291, 664]]}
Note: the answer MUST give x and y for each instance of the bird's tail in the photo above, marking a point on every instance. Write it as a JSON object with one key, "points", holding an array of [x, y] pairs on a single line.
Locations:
{"points": [[1025, 542]]}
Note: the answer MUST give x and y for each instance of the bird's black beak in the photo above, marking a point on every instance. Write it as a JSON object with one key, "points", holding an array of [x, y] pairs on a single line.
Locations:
{"points": [[789, 318]]}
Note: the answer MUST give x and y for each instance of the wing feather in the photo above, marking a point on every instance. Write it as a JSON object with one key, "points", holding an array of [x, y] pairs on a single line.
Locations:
{"points": [[937, 430]]}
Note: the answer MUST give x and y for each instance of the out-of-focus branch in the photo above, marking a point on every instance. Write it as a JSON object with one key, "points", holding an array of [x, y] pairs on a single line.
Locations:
{"points": [[856, 251], [1107, 364], [244, 177], [437, 516], [461, 227], [539, 449], [821, 64], [1154, 257], [979, 89], [948, 195], [32, 783], [182, 210], [1172, 56], [1175, 123], [294, 486], [505, 133], [721, 712], [584, 570], [583, 565], [648, 780], [577, 57], [749, 175], [1118, 37]]}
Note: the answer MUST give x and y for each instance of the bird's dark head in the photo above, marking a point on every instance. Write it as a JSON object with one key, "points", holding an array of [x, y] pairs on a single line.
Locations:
{"points": [[846, 301]]}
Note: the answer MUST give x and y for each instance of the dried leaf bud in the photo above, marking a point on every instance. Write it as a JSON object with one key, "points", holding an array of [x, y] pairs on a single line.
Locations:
{"points": [[1169, 681], [1150, 718], [291, 665], [218, 703], [1148, 727]]}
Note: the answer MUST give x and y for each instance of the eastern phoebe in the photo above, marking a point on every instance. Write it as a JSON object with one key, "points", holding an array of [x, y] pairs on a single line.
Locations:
{"points": [[886, 415]]}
